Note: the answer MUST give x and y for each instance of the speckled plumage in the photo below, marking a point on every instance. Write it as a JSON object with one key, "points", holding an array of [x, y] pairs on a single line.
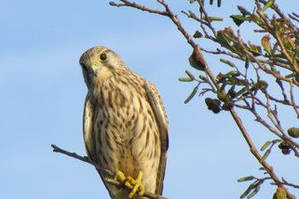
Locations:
{"points": [[124, 123]]}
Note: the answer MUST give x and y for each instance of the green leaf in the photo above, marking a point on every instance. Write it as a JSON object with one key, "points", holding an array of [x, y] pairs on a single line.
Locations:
{"points": [[255, 191], [242, 91], [293, 132], [268, 5], [239, 19], [215, 19], [266, 44], [223, 39], [246, 178], [247, 191], [192, 94], [266, 154], [228, 62], [185, 79], [203, 78], [192, 1], [265, 145], [255, 49], [189, 74], [246, 62], [243, 11], [197, 34]]}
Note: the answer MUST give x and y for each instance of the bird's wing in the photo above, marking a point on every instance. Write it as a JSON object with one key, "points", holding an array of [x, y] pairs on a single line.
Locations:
{"points": [[88, 118], [162, 123], [88, 134]]}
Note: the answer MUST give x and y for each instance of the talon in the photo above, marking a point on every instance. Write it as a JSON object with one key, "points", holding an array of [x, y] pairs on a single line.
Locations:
{"points": [[137, 186], [133, 184], [129, 182], [120, 176]]}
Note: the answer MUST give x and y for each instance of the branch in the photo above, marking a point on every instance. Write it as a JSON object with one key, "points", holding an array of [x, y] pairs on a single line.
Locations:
{"points": [[290, 184], [111, 174], [137, 6]]}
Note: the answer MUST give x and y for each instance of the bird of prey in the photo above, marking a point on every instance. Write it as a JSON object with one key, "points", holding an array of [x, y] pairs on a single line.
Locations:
{"points": [[125, 127]]}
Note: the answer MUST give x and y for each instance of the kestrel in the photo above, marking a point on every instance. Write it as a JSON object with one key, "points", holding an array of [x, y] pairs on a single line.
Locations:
{"points": [[125, 126]]}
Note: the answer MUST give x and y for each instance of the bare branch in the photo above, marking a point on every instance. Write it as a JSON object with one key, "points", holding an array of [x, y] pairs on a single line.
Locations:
{"points": [[290, 184], [139, 7], [111, 174]]}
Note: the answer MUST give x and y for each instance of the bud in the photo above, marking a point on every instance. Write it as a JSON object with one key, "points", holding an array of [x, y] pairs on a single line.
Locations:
{"points": [[280, 193], [285, 148], [213, 104], [293, 132]]}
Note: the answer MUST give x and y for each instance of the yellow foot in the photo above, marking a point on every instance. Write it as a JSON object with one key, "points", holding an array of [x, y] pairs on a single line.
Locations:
{"points": [[133, 184]]}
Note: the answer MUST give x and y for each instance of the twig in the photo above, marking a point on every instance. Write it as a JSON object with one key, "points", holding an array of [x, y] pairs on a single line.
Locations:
{"points": [[82, 158], [290, 184], [293, 101], [137, 6], [109, 173]]}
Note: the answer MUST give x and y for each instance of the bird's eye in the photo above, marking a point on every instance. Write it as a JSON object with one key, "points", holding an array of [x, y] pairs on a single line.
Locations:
{"points": [[103, 56]]}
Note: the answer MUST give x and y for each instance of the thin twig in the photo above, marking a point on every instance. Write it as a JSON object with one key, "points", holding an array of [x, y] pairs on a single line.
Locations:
{"points": [[109, 173], [290, 184], [293, 101], [137, 6]]}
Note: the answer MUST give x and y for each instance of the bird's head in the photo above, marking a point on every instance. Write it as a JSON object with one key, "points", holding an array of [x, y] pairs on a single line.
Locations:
{"points": [[98, 64]]}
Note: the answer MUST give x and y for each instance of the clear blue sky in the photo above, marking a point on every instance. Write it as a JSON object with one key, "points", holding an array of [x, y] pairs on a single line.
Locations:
{"points": [[42, 95]]}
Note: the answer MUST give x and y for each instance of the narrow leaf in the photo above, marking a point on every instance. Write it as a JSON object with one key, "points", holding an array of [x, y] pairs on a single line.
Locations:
{"points": [[185, 79], [255, 49], [247, 191], [254, 192], [192, 94], [189, 74], [265, 145], [243, 11], [246, 178], [268, 5], [246, 63], [228, 62], [215, 19], [266, 154], [203, 78], [239, 19]]}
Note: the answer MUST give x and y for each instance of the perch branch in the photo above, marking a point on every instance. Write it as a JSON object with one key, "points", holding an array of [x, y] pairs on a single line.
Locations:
{"points": [[109, 173]]}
